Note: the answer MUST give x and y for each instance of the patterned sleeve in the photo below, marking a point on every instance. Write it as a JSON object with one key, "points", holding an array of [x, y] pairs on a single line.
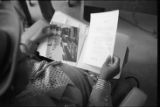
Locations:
{"points": [[101, 94]]}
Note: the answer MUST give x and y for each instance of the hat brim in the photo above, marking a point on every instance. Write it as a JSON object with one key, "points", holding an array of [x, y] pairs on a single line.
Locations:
{"points": [[10, 24]]}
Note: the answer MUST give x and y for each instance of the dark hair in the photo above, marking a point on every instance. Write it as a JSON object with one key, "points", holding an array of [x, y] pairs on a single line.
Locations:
{"points": [[45, 6], [46, 9], [24, 7]]}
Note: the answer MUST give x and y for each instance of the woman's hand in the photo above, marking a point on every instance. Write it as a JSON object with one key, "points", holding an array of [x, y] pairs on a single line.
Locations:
{"points": [[110, 68], [44, 33], [35, 34]]}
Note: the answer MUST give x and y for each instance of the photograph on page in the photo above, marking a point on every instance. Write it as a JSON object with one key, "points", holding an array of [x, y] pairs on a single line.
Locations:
{"points": [[63, 44]]}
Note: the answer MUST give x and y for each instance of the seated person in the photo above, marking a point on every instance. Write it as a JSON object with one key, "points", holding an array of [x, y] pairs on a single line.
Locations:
{"points": [[29, 80]]}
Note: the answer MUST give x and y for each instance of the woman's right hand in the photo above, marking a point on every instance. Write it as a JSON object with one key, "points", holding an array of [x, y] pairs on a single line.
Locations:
{"points": [[110, 68]]}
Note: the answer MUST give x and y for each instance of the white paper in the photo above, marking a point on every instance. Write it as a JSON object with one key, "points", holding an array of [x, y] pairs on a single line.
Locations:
{"points": [[42, 48], [59, 17], [121, 44], [101, 38]]}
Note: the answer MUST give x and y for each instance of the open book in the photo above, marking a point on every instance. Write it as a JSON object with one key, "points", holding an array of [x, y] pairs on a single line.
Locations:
{"points": [[95, 42], [63, 44]]}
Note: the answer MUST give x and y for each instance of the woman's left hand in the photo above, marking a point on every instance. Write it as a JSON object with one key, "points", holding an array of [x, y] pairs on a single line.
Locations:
{"points": [[110, 68], [36, 33]]}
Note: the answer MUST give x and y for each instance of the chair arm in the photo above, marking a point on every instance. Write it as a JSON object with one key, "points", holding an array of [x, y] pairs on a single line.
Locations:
{"points": [[135, 97]]}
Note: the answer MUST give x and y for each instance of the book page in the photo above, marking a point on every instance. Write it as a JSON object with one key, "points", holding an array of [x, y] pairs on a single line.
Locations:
{"points": [[101, 38], [121, 44], [63, 18], [63, 44]]}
